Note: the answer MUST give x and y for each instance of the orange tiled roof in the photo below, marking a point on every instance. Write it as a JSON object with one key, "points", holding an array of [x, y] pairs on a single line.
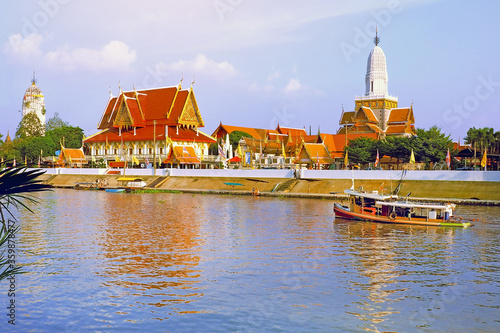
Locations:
{"points": [[369, 114], [256, 133], [163, 105], [182, 155], [314, 153], [147, 134], [347, 117], [400, 129], [401, 115], [294, 132]]}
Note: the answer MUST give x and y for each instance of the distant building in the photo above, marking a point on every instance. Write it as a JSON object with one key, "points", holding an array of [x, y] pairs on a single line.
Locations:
{"points": [[34, 101], [377, 111], [144, 126]]}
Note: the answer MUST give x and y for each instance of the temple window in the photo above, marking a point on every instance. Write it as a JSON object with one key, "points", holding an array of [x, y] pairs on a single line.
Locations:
{"points": [[372, 85], [140, 151]]}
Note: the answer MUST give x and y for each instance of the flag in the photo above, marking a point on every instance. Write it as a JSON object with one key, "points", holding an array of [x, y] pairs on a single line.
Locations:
{"points": [[147, 160], [412, 157], [53, 159], [483, 160], [240, 153], [346, 159], [39, 161], [377, 160], [93, 158], [117, 159], [69, 159], [25, 160], [448, 158], [221, 151], [135, 160], [283, 149], [317, 158], [14, 163], [248, 159]]}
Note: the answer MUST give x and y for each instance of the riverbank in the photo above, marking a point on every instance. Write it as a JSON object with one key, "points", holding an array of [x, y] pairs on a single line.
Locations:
{"points": [[459, 192]]}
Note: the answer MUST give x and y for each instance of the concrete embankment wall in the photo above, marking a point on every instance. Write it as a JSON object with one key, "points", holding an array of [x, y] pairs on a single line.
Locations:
{"points": [[429, 184]]}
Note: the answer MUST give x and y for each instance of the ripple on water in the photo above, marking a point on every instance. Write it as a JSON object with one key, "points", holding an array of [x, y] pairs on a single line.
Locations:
{"points": [[100, 261]]}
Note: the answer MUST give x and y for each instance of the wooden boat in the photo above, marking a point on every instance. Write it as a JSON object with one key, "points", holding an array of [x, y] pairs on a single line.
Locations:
{"points": [[376, 207]]}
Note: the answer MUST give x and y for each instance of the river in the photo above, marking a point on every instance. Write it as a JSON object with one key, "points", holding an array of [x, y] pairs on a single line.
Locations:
{"points": [[170, 262]]}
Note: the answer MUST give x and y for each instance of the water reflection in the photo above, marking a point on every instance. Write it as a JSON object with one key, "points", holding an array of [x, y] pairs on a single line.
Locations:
{"points": [[388, 258], [101, 261], [151, 247]]}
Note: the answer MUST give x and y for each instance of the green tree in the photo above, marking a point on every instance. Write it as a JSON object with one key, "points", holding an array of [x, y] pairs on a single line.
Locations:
{"points": [[16, 186], [30, 126], [55, 122], [361, 150], [235, 137]]}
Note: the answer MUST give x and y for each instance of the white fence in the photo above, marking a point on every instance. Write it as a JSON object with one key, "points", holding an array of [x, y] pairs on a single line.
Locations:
{"points": [[478, 176]]}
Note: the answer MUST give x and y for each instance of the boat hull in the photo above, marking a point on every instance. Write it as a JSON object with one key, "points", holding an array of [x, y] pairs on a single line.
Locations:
{"points": [[344, 212]]}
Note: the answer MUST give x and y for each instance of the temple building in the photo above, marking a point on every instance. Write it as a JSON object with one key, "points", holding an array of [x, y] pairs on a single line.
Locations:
{"points": [[377, 112], [147, 126], [34, 101]]}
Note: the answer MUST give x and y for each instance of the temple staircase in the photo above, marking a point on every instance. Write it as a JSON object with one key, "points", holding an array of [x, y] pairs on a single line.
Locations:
{"points": [[286, 186], [157, 182]]}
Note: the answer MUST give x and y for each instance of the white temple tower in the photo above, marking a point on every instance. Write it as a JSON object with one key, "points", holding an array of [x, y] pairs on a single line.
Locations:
{"points": [[34, 101], [376, 72]]}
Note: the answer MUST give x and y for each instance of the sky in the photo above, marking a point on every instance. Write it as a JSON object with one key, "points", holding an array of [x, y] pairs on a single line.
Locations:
{"points": [[254, 63]]}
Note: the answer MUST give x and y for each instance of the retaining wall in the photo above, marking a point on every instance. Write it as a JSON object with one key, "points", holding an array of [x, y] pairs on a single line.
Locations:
{"points": [[444, 175]]}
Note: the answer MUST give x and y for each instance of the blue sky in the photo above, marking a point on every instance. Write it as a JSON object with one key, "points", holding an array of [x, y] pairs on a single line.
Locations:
{"points": [[255, 63]]}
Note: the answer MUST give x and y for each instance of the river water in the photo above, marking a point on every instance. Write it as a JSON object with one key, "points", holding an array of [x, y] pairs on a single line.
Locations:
{"points": [[165, 262]]}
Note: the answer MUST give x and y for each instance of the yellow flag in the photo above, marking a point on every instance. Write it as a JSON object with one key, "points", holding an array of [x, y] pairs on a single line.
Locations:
{"points": [[483, 161], [283, 149], [412, 157], [93, 158], [117, 159], [346, 159], [53, 158], [240, 154], [69, 159], [135, 160]]}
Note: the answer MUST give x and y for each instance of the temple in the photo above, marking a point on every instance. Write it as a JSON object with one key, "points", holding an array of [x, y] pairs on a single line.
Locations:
{"points": [[146, 126], [377, 112], [33, 101]]}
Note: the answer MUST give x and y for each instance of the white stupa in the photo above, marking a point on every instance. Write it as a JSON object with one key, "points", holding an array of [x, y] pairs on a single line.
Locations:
{"points": [[34, 101]]}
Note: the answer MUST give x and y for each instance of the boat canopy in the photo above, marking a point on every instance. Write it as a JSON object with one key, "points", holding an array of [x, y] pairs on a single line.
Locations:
{"points": [[129, 179], [372, 195], [414, 205]]}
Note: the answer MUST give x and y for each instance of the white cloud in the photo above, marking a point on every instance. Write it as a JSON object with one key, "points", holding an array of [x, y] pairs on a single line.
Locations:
{"points": [[274, 75], [293, 85], [115, 55], [23, 47], [203, 65]]}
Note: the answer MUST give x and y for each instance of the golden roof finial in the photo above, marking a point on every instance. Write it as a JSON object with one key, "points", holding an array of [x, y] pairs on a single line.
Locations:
{"points": [[180, 82]]}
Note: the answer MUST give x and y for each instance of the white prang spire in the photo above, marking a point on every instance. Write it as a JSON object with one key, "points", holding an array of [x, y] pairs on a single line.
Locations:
{"points": [[376, 72]]}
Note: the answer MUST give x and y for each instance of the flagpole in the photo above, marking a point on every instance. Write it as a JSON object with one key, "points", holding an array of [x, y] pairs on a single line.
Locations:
{"points": [[154, 148]]}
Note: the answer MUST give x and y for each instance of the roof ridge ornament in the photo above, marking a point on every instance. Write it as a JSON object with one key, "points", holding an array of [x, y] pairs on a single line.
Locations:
{"points": [[376, 40]]}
